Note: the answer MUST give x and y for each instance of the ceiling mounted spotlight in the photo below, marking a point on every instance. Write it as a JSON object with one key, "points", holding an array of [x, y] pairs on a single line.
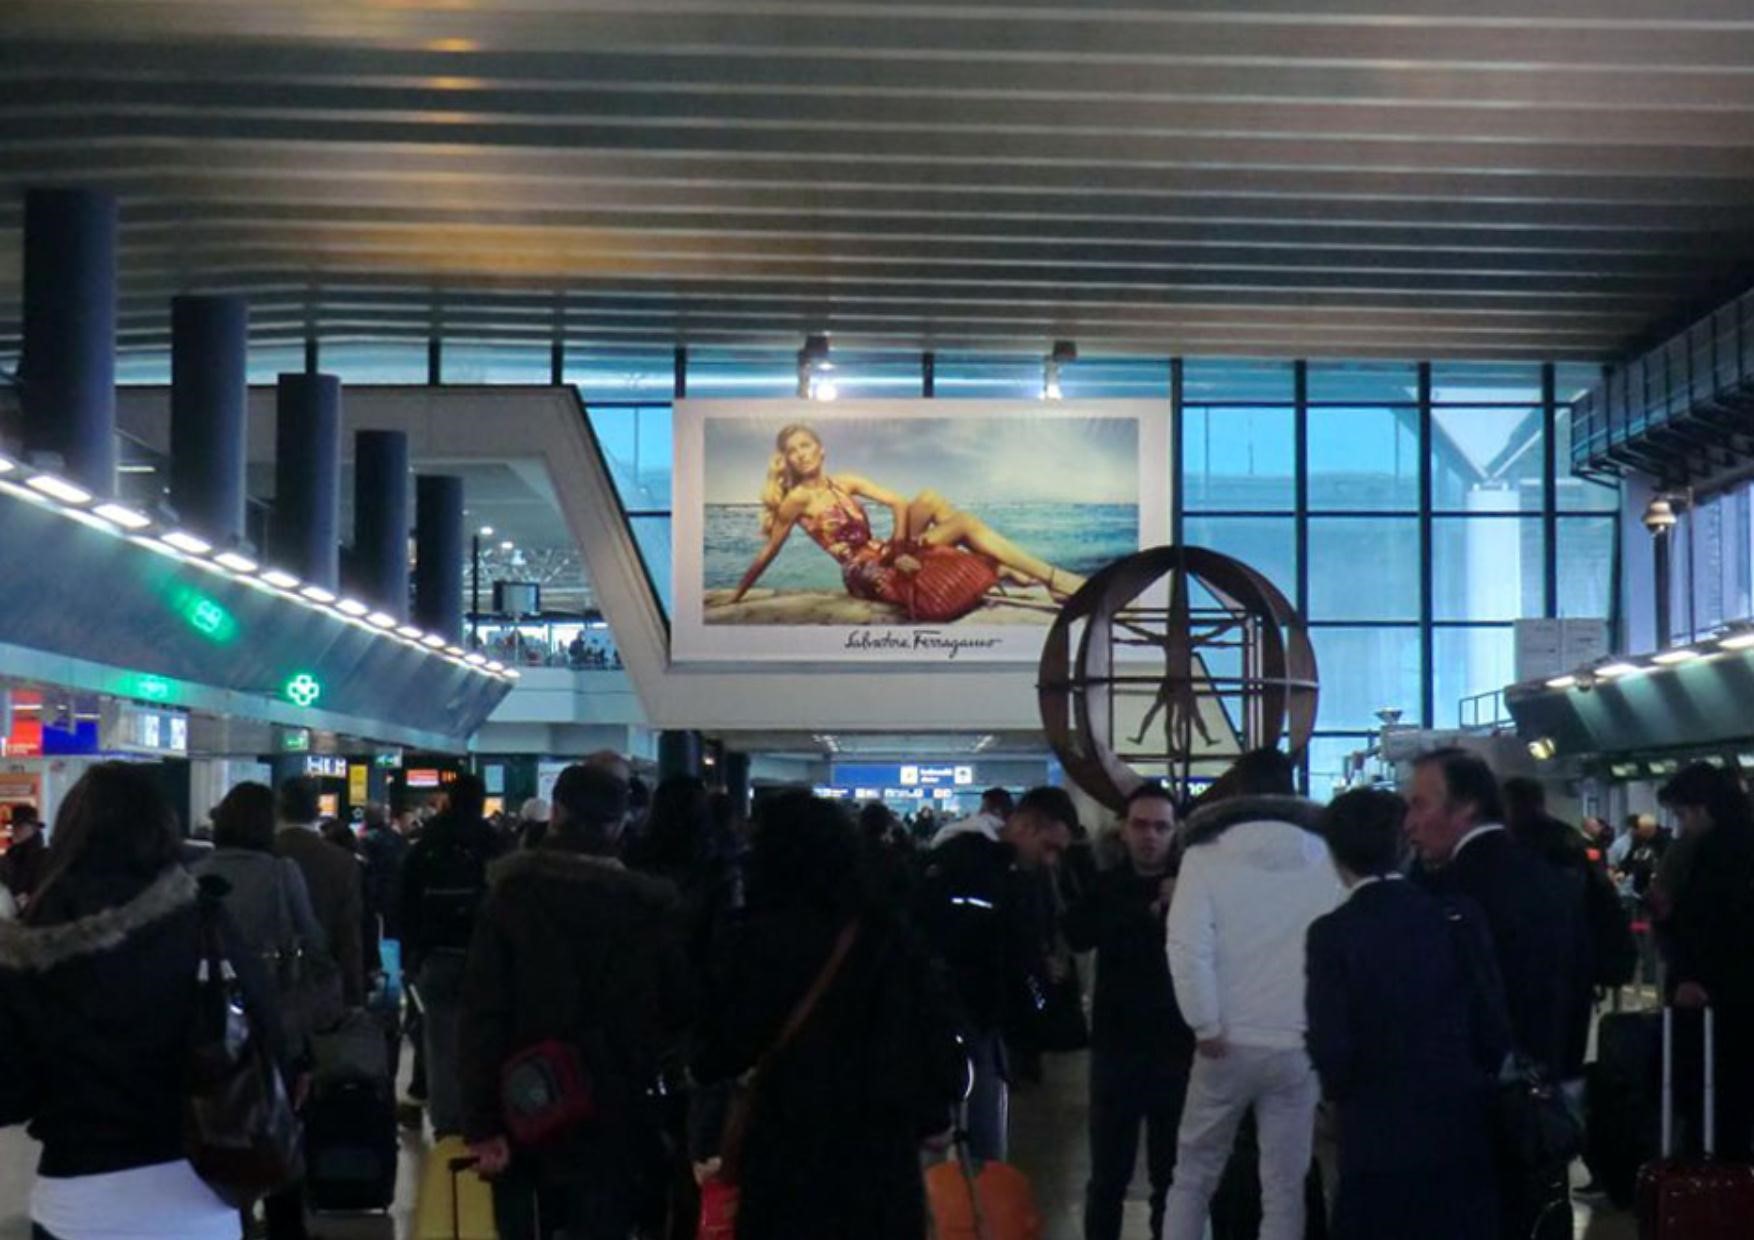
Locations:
{"points": [[1064, 353], [814, 367], [1659, 515]]}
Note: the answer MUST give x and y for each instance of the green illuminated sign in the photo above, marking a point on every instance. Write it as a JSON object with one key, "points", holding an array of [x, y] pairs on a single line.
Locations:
{"points": [[303, 689], [206, 616], [153, 688]]}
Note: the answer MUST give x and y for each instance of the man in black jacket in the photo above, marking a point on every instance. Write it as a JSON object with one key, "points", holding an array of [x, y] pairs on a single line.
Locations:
{"points": [[980, 913], [21, 869], [573, 947], [1141, 1049], [1455, 820], [444, 884]]}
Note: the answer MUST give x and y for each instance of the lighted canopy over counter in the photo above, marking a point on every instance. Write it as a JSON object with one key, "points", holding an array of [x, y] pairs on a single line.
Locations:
{"points": [[158, 615]]}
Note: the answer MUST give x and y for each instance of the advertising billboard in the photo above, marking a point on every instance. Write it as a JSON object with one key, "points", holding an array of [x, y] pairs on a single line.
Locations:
{"points": [[903, 531]]}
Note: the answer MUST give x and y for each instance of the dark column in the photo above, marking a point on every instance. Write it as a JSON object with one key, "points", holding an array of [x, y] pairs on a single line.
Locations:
{"points": [[307, 478], [736, 768], [438, 555], [380, 519], [68, 366], [209, 426], [679, 753]]}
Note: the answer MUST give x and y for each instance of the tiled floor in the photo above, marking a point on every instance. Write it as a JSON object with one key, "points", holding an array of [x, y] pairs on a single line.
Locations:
{"points": [[1048, 1122]]}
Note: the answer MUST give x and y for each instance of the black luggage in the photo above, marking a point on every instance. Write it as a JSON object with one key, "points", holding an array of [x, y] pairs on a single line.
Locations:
{"points": [[351, 1146], [1622, 1103]]}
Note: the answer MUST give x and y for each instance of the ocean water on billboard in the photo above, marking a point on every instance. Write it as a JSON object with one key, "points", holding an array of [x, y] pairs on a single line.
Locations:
{"points": [[1080, 538]]}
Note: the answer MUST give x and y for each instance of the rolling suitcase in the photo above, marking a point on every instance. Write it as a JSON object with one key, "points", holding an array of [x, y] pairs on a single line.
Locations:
{"points": [[1685, 1199], [1622, 1102], [994, 1203], [454, 1202], [351, 1146]]}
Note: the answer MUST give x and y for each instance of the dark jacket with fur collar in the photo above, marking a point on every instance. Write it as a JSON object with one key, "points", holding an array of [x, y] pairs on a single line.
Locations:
{"points": [[1207, 824], [96, 997], [574, 947]]}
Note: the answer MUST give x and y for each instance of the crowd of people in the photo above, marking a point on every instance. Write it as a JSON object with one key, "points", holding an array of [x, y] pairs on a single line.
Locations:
{"points": [[1304, 1012]]}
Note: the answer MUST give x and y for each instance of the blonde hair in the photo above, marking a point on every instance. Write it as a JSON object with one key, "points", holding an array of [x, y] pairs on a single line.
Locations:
{"points": [[780, 478]]}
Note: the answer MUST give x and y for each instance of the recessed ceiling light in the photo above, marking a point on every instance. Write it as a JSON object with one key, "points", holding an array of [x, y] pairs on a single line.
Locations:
{"points": [[59, 488], [1741, 641], [125, 517], [188, 542], [474, 660], [6, 466], [1562, 682], [352, 607], [317, 594], [382, 620], [433, 640], [237, 563], [1669, 657], [285, 581], [456, 652], [1619, 669], [410, 632]]}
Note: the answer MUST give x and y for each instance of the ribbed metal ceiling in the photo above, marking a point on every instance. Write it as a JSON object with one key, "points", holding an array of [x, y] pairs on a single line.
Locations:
{"points": [[1539, 178]]}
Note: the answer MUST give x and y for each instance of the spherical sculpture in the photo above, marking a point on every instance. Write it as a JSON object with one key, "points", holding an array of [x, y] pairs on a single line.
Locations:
{"points": [[1168, 665]]}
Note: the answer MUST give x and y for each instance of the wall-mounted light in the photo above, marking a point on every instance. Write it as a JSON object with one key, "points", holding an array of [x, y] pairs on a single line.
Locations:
{"points": [[814, 369], [1543, 749], [1065, 352]]}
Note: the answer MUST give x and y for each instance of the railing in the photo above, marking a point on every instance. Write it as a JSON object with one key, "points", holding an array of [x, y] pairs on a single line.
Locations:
{"points": [[1703, 371], [1484, 712]]}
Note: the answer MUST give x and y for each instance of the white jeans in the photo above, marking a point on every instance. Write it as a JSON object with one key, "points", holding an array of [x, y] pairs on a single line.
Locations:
{"points": [[1282, 1088]]}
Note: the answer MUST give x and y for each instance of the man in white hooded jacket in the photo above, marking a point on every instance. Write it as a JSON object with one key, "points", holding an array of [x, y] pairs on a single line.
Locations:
{"points": [[1254, 876]]}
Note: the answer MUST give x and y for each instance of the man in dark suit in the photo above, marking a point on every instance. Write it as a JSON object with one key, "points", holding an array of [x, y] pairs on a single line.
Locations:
{"points": [[334, 879], [1403, 1039], [1455, 820]]}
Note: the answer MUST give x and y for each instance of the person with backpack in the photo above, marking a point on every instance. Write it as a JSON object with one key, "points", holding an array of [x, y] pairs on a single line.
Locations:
{"points": [[444, 885], [576, 975]]}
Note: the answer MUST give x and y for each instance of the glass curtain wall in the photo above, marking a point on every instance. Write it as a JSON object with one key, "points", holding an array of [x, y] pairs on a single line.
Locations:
{"points": [[1414, 511]]}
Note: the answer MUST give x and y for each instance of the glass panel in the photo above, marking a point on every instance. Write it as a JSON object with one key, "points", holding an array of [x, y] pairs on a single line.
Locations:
{"points": [[1017, 378], [1578, 494], [1363, 568], [1486, 568], [1266, 544], [1116, 379], [150, 368], [1327, 763], [730, 373], [637, 442], [265, 363], [621, 376], [1586, 566], [1242, 459], [652, 535], [1573, 379], [1364, 383], [379, 361], [1363, 459], [467, 361], [1487, 460], [1363, 671], [1486, 383], [1237, 381], [1469, 661]]}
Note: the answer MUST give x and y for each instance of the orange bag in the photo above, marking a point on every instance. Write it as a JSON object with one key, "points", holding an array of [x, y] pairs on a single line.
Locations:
{"points": [[1007, 1203]]}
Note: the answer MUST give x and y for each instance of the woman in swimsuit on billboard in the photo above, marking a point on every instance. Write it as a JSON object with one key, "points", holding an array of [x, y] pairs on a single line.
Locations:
{"points": [[939, 564]]}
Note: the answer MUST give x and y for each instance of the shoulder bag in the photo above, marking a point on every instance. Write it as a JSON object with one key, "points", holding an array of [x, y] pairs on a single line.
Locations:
{"points": [[1534, 1126], [240, 1132], [719, 1197], [306, 981]]}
